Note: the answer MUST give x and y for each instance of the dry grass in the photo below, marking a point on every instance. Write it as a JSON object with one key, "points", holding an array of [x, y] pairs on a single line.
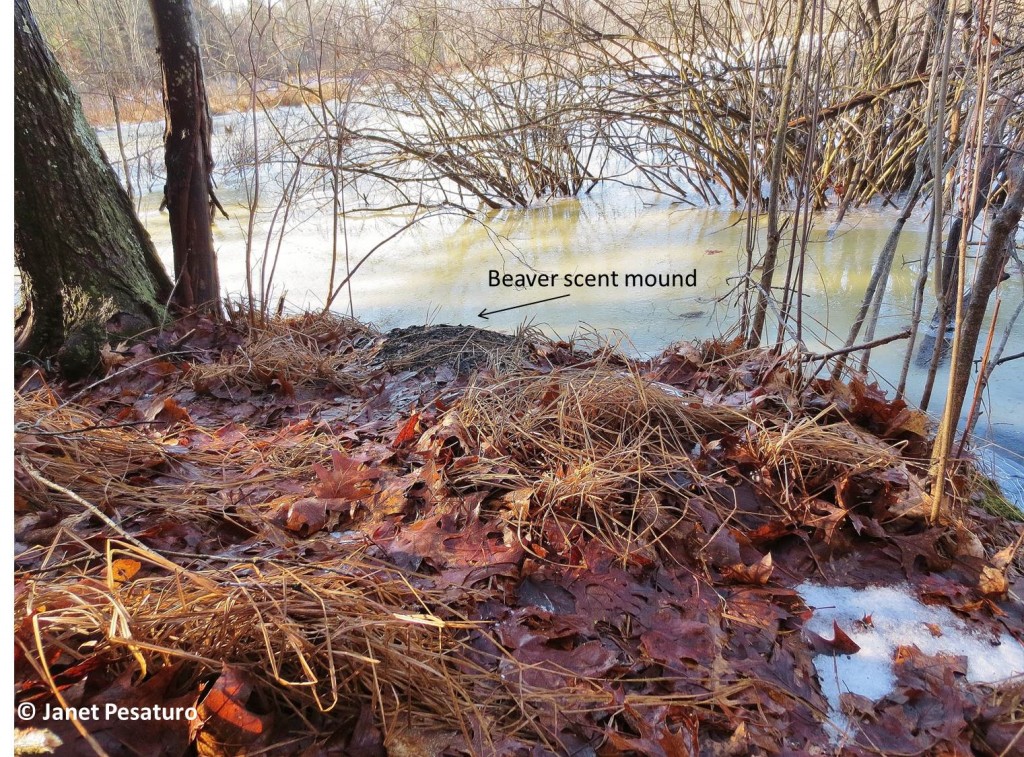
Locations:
{"points": [[809, 458], [598, 444], [603, 452], [323, 635], [144, 106], [57, 434], [200, 476], [321, 640], [305, 349]]}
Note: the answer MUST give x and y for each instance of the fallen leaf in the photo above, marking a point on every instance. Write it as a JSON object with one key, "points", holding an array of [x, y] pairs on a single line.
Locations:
{"points": [[841, 644], [673, 641], [757, 574], [967, 543], [160, 368], [546, 595], [366, 739], [416, 742], [120, 735], [1004, 557], [35, 741], [657, 738], [226, 722], [518, 502], [282, 385], [908, 421], [350, 478], [927, 711], [408, 431], [167, 411], [123, 570], [993, 582], [306, 516], [111, 359]]}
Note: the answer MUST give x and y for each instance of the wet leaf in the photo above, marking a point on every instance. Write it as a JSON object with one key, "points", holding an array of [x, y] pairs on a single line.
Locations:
{"points": [[674, 641], [118, 732], [920, 550], [350, 478], [307, 516], [657, 738], [546, 595], [928, 708], [840, 644], [871, 406], [408, 432], [160, 368], [366, 739]]}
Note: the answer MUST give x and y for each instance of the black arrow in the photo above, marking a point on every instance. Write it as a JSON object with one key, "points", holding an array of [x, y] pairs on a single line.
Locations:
{"points": [[485, 312]]}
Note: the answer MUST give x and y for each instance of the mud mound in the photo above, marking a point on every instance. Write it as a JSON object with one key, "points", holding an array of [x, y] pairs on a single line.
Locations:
{"points": [[464, 348]]}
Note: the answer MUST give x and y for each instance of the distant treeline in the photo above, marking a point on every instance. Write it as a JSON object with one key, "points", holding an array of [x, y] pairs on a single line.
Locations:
{"points": [[499, 103]]}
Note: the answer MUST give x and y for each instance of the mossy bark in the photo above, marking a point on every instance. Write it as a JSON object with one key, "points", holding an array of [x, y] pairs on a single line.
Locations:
{"points": [[88, 266]]}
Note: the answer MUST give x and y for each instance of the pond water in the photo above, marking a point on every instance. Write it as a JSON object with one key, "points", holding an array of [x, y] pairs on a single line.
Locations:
{"points": [[440, 270]]}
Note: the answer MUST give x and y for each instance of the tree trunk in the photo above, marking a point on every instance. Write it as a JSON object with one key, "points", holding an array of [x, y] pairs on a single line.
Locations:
{"points": [[88, 266], [188, 193], [986, 278]]}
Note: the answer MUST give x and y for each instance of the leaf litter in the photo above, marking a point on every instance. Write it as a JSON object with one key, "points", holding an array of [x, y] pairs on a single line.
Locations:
{"points": [[867, 670], [330, 541]]}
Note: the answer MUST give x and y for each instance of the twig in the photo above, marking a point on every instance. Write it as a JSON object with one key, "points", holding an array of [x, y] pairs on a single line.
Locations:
{"points": [[861, 98], [52, 486], [981, 382], [846, 350], [27, 428], [1008, 358]]}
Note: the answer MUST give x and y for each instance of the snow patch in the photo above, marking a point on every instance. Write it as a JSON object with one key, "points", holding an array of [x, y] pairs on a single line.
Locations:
{"points": [[897, 618]]}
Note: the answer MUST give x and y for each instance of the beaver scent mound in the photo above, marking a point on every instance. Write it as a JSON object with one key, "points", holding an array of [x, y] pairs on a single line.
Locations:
{"points": [[465, 348]]}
